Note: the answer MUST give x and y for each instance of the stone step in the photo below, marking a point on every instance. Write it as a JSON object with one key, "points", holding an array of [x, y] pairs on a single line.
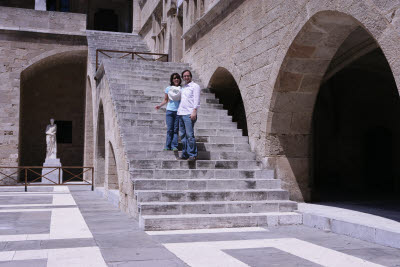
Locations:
{"points": [[231, 148], [162, 130], [199, 124], [195, 165], [205, 184], [135, 89], [158, 99], [215, 207], [161, 116], [201, 155], [210, 195], [152, 104], [129, 64], [134, 72], [205, 221], [159, 138], [134, 109], [140, 90], [145, 65], [201, 174]]}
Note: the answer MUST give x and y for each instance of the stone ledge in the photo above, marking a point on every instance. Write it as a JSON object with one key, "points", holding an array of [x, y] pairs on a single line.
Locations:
{"points": [[367, 227], [212, 16], [19, 19]]}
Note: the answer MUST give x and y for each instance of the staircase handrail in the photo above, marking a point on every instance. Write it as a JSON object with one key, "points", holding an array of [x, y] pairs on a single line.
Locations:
{"points": [[131, 54]]}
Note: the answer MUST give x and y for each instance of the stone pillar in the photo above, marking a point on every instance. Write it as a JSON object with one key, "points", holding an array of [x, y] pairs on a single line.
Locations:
{"points": [[52, 175], [136, 16], [40, 5]]}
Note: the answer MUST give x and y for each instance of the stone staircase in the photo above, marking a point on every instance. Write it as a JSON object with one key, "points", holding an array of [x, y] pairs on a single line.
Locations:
{"points": [[225, 187]]}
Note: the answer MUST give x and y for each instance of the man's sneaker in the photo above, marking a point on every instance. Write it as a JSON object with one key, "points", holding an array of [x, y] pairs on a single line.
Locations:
{"points": [[182, 158]]}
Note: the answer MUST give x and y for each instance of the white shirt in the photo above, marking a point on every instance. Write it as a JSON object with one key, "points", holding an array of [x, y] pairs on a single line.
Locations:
{"points": [[190, 98]]}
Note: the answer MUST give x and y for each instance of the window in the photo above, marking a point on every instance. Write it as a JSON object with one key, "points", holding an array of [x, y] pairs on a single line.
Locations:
{"points": [[58, 5], [64, 132]]}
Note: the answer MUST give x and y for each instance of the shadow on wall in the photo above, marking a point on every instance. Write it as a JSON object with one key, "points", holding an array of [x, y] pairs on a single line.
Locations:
{"points": [[100, 164], [227, 91]]}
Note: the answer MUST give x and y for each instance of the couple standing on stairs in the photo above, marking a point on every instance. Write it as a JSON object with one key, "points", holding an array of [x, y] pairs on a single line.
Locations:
{"points": [[183, 103]]}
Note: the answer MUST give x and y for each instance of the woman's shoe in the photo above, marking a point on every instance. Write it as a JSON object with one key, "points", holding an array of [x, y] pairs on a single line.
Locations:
{"points": [[192, 158], [174, 149], [167, 149]]}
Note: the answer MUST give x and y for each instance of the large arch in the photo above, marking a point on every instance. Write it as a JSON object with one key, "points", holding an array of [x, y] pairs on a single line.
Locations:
{"points": [[223, 84], [47, 92], [309, 60], [100, 164]]}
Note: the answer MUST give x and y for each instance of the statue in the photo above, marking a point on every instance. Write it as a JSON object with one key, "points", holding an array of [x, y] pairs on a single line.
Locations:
{"points": [[50, 175], [51, 140]]}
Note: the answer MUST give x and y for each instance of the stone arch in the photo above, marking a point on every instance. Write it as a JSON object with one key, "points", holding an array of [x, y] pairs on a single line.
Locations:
{"points": [[223, 84], [100, 164], [309, 57], [57, 54], [112, 170], [46, 91]]}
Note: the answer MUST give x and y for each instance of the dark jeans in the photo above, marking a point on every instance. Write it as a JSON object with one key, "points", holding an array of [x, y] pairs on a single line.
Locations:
{"points": [[186, 131], [172, 130]]}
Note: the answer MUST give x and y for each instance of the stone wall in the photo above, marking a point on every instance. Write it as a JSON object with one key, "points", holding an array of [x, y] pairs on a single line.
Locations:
{"points": [[117, 171], [278, 52], [23, 42], [19, 19]]}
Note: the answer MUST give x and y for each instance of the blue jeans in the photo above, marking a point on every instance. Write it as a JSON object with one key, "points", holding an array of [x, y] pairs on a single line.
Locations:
{"points": [[186, 131], [172, 130]]}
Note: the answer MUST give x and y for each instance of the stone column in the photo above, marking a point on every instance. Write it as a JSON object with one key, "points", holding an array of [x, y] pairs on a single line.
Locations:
{"points": [[40, 5], [136, 16]]}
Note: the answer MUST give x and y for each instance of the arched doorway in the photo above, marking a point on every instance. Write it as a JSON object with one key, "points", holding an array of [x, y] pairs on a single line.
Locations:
{"points": [[356, 120], [324, 88], [47, 91], [227, 91], [100, 149], [112, 172]]}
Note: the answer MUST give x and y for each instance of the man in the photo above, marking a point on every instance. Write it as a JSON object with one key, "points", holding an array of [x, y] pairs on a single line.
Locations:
{"points": [[187, 114]]}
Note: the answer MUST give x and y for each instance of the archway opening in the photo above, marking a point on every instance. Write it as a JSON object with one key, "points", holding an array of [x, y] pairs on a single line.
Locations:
{"points": [[47, 91], [112, 172], [100, 149], [113, 16], [356, 120], [335, 96], [227, 91]]}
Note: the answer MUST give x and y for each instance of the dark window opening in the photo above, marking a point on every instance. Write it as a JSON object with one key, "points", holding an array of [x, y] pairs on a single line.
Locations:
{"points": [[64, 132], [106, 20], [58, 5]]}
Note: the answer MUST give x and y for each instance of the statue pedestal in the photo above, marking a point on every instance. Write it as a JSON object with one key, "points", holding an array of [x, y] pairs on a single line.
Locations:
{"points": [[54, 174]]}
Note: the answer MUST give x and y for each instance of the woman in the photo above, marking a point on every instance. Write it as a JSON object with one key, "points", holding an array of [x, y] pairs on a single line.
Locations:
{"points": [[172, 97]]}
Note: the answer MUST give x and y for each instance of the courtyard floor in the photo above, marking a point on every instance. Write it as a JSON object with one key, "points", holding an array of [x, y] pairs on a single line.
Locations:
{"points": [[61, 226]]}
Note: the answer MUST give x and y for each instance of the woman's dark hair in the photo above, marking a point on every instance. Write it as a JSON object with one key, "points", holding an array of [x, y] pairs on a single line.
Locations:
{"points": [[187, 71], [173, 75]]}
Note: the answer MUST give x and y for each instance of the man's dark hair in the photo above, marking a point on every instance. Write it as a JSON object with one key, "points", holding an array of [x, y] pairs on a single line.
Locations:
{"points": [[173, 75], [187, 71]]}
